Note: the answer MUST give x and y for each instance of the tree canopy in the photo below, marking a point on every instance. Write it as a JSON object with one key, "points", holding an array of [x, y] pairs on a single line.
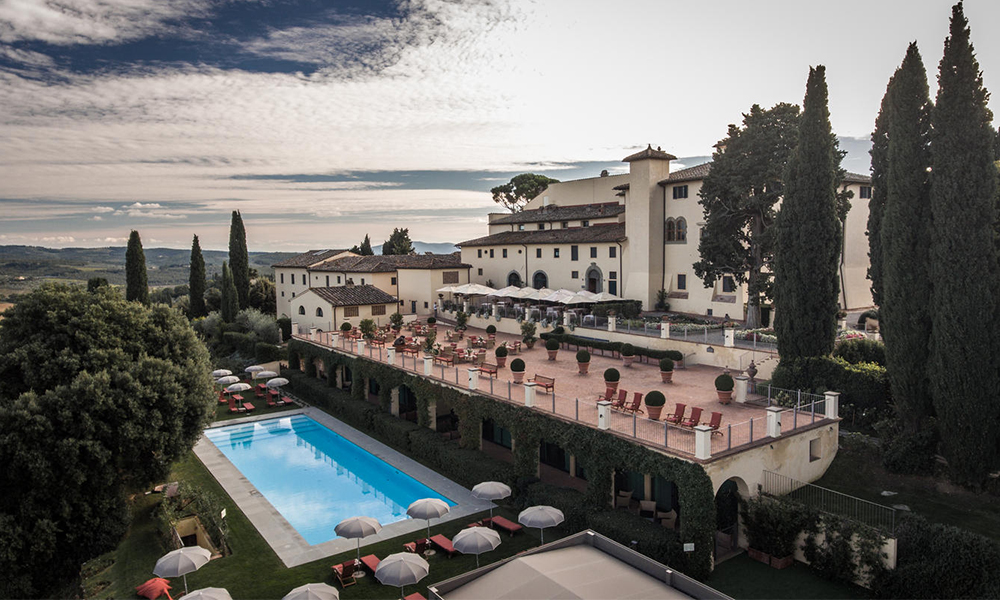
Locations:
{"points": [[739, 196], [398, 243], [136, 280], [100, 397], [365, 249], [514, 194], [196, 283], [239, 260]]}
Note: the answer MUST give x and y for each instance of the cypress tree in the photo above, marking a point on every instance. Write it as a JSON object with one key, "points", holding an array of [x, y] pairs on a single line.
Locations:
{"points": [[963, 263], [905, 233], [876, 204], [136, 281], [239, 259], [808, 234], [366, 247], [196, 282], [230, 303]]}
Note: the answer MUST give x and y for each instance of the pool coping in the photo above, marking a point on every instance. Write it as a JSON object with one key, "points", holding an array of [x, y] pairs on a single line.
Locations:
{"points": [[291, 548]]}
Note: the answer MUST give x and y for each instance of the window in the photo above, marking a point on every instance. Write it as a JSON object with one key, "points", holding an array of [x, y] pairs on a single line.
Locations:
{"points": [[682, 281], [319, 311], [613, 275], [293, 278], [362, 281], [293, 294], [491, 252], [449, 277], [425, 305], [282, 294], [378, 309], [480, 271], [680, 191], [613, 287], [480, 253], [327, 281], [282, 278], [574, 274], [302, 310], [350, 311], [541, 226], [555, 253], [682, 229], [612, 251], [728, 284], [669, 231], [584, 223], [338, 278], [504, 251], [540, 280], [574, 253], [565, 224], [593, 252], [538, 252], [392, 281], [520, 227], [866, 191]]}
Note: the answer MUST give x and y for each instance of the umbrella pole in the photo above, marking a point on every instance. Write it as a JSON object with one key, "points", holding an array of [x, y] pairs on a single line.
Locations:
{"points": [[185, 584], [359, 549], [477, 561], [542, 531]]}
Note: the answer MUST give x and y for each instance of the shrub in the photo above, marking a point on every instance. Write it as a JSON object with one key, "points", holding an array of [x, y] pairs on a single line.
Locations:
{"points": [[551, 344], [239, 342], [491, 329], [345, 327], [861, 350], [461, 320], [501, 351], [652, 540], [263, 326], [724, 382], [612, 375], [674, 355], [431, 320], [528, 330], [628, 350], [655, 398], [569, 501], [264, 352], [285, 325], [629, 309], [906, 452], [367, 327], [865, 395], [294, 364], [772, 526], [559, 330], [517, 365], [396, 320], [666, 364], [582, 356], [868, 314]]}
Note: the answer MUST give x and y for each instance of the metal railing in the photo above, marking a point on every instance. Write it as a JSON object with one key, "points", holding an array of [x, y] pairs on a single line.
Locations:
{"points": [[874, 515]]}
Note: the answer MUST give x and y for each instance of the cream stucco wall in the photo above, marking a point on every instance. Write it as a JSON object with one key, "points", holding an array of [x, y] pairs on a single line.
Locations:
{"points": [[546, 225], [332, 317], [592, 190], [524, 261], [855, 288], [286, 290], [422, 285]]}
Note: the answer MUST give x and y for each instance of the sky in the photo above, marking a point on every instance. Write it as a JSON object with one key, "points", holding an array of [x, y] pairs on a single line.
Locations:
{"points": [[323, 120]]}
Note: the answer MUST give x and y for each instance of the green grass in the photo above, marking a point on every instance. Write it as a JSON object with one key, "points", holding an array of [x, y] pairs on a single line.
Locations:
{"points": [[254, 571], [744, 578], [857, 471], [260, 408]]}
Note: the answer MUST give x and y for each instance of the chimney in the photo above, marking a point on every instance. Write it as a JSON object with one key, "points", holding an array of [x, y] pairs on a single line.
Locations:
{"points": [[349, 283]]}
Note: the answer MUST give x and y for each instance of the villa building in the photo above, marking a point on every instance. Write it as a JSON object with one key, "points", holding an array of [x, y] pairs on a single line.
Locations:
{"points": [[634, 234]]}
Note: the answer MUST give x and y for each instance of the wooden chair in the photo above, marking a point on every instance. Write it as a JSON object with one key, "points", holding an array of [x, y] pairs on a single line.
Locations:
{"points": [[609, 396], [694, 418], [345, 573], [623, 498], [620, 402], [636, 403], [417, 547], [647, 509], [715, 422], [676, 416]]}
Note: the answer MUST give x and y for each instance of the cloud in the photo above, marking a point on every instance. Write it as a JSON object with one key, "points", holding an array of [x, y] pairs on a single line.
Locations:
{"points": [[28, 58], [102, 209], [96, 218], [58, 239], [140, 205]]}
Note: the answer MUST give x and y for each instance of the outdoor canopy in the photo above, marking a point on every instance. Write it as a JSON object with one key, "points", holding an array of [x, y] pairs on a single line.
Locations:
{"points": [[207, 594], [402, 568], [313, 591], [182, 561], [473, 289], [357, 527], [476, 540], [428, 508], [540, 517]]}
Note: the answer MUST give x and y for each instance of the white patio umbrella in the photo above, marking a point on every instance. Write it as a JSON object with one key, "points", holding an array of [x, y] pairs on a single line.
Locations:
{"points": [[313, 591], [505, 292], [402, 568], [221, 373], [182, 561], [605, 297], [207, 594], [227, 380], [357, 527], [560, 296], [427, 509], [490, 490], [587, 293], [253, 369], [448, 289], [239, 387], [473, 289], [277, 382], [581, 298], [264, 374], [476, 540], [540, 517]]}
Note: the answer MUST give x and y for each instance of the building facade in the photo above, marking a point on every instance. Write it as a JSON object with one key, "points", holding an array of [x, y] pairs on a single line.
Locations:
{"points": [[326, 308]]}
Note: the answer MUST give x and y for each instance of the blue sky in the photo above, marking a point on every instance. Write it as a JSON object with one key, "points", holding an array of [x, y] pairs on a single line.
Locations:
{"points": [[322, 120]]}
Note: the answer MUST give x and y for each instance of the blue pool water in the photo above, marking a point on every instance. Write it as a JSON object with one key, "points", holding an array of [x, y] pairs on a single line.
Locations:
{"points": [[314, 477]]}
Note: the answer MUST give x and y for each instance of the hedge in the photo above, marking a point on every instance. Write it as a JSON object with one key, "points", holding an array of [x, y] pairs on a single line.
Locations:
{"points": [[616, 347], [861, 350], [265, 353], [865, 396], [244, 343], [654, 540]]}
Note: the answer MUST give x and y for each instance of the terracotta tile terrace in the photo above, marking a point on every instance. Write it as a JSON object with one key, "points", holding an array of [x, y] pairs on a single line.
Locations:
{"points": [[575, 397]]}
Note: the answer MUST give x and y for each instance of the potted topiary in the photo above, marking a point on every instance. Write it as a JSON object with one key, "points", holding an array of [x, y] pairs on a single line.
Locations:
{"points": [[611, 378], [517, 370], [552, 346], [628, 354], [724, 387], [396, 319], [501, 354], [583, 361], [345, 327], [432, 322], [677, 357], [528, 330], [654, 404], [491, 331], [667, 370]]}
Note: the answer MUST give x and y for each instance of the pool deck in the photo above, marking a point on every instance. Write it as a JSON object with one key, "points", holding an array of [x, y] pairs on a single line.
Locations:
{"points": [[287, 543]]}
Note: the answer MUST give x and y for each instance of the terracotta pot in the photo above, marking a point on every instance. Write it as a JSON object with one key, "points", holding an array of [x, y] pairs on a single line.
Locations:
{"points": [[667, 376], [759, 556], [552, 354], [612, 384], [783, 562], [584, 367], [501, 361], [654, 412], [628, 360], [518, 376], [530, 344], [725, 397]]}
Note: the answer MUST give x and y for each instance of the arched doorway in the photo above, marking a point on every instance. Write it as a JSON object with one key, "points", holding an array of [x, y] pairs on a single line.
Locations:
{"points": [[727, 517], [540, 280], [595, 280], [514, 278]]}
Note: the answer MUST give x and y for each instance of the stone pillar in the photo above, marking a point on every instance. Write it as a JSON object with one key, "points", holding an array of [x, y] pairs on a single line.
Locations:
{"points": [[566, 315], [473, 378], [529, 394], [774, 421], [361, 347], [665, 330], [647, 486], [432, 406], [611, 324], [703, 442], [742, 383], [572, 465], [428, 365], [295, 328], [390, 355], [339, 377], [334, 338], [465, 307], [603, 414], [730, 337], [394, 402], [312, 334], [496, 310], [832, 405]]}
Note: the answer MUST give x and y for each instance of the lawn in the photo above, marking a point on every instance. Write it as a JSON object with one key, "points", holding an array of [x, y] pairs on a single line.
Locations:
{"points": [[743, 578], [857, 471], [254, 571]]}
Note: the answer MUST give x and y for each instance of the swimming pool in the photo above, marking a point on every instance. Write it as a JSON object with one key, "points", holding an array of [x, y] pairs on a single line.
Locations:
{"points": [[316, 478]]}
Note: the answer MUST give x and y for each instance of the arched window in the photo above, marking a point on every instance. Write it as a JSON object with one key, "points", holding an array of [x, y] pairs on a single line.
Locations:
{"points": [[682, 230], [302, 310], [514, 279], [669, 232], [540, 280], [319, 312]]}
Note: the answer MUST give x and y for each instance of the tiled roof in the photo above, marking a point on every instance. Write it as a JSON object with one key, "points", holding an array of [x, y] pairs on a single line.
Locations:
{"points": [[357, 295], [573, 212], [857, 178], [690, 174], [611, 232], [649, 153], [308, 258], [380, 263]]}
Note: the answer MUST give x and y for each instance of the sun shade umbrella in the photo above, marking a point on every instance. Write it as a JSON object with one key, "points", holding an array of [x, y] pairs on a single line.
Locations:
{"points": [[428, 508], [605, 297], [264, 374], [313, 591], [228, 379], [403, 568], [239, 387], [581, 298], [357, 527], [560, 296], [540, 517], [207, 594], [448, 289], [221, 372], [277, 382], [476, 540], [474, 289], [490, 490], [254, 369], [505, 292], [182, 561]]}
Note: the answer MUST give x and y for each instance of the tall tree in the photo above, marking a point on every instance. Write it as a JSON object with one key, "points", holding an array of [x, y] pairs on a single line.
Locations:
{"points": [[239, 259], [365, 249], [964, 347], [808, 234], [876, 204], [136, 282], [514, 194], [398, 243], [739, 197], [230, 303], [196, 282], [905, 232]]}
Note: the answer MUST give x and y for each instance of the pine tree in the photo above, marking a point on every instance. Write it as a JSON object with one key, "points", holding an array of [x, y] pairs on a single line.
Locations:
{"points": [[808, 234], [230, 302], [904, 235], [136, 281], [196, 282], [239, 259], [398, 242], [366, 247], [964, 347], [876, 204]]}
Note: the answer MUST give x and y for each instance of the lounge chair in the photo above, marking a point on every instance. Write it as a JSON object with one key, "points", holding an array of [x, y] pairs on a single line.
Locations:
{"points": [[715, 422], [232, 405], [620, 402], [694, 418], [370, 562], [636, 403], [609, 396], [647, 508], [443, 544], [623, 498], [417, 547], [222, 397], [415, 596], [505, 524], [345, 573], [676, 416]]}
